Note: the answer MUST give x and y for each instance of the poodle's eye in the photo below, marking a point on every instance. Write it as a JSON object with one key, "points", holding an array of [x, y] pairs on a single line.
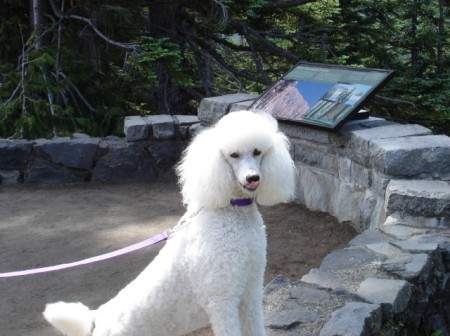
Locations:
{"points": [[256, 152], [235, 155]]}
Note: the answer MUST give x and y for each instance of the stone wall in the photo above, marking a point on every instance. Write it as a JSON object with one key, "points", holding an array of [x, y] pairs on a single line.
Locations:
{"points": [[148, 153], [391, 183], [370, 171]]}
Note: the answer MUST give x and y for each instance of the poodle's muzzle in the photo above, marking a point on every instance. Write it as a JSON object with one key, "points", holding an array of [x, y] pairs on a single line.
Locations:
{"points": [[252, 182], [246, 168]]}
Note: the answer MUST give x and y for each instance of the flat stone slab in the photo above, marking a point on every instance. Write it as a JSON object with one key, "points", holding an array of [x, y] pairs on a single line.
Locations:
{"points": [[163, 126], [391, 131], [40, 171], [346, 268], [287, 319], [73, 153], [401, 231], [394, 295], [348, 259], [424, 243], [14, 154], [136, 128], [369, 237], [411, 268], [423, 198], [411, 156], [213, 108], [354, 319], [358, 147], [158, 127], [119, 164], [186, 120]]}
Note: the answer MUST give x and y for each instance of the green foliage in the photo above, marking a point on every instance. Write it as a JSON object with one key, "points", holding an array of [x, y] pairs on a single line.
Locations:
{"points": [[408, 37], [164, 57], [153, 51]]}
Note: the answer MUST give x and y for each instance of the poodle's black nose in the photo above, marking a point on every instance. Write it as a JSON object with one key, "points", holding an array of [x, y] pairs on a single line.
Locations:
{"points": [[252, 178]]}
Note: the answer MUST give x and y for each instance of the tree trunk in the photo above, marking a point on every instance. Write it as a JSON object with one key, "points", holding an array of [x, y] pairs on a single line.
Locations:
{"points": [[414, 50], [37, 19], [165, 20], [441, 41]]}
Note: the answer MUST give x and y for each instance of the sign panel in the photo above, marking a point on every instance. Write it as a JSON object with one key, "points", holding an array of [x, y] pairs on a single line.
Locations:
{"points": [[321, 95]]}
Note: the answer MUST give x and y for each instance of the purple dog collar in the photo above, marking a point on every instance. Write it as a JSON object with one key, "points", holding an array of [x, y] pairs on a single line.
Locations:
{"points": [[241, 202]]}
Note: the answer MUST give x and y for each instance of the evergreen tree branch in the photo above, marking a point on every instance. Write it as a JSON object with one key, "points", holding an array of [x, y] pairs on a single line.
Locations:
{"points": [[396, 101], [13, 94], [221, 61], [77, 91], [286, 4], [256, 57], [265, 44], [61, 15]]}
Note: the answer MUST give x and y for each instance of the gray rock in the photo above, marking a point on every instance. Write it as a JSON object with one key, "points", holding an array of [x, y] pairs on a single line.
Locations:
{"points": [[369, 237], [9, 177], [400, 231], [388, 250], [314, 157], [163, 126], [305, 133], [421, 243], [184, 124], [411, 268], [412, 156], [120, 164], [361, 139], [393, 295], [41, 171], [14, 154], [165, 156], [354, 319], [349, 259], [242, 105], [418, 198], [308, 294], [278, 282], [76, 153], [186, 120], [323, 279], [136, 129], [317, 189], [213, 108], [288, 319]]}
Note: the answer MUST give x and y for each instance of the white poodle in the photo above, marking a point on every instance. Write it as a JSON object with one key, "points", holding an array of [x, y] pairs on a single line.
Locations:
{"points": [[211, 269]]}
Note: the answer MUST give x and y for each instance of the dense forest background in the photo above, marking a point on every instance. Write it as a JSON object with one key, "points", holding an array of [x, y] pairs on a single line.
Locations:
{"points": [[83, 65]]}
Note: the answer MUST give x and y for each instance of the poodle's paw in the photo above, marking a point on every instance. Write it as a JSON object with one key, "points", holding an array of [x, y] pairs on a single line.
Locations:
{"points": [[72, 319]]}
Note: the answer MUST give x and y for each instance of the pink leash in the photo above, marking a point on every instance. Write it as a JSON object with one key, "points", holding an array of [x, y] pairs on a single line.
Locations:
{"points": [[148, 242]]}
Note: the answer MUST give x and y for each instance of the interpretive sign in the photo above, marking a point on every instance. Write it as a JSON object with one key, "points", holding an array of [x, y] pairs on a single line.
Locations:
{"points": [[321, 95]]}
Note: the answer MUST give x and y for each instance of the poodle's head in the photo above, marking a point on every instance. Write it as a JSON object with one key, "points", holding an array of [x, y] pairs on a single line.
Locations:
{"points": [[242, 156]]}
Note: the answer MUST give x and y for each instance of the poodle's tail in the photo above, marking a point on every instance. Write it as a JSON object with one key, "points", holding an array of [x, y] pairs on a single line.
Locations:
{"points": [[72, 319]]}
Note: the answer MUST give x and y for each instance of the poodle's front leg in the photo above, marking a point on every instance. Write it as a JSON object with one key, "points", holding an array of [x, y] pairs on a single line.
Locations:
{"points": [[251, 312], [224, 318]]}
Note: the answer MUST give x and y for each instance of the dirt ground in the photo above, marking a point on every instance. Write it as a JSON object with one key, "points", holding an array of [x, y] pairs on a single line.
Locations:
{"points": [[49, 225]]}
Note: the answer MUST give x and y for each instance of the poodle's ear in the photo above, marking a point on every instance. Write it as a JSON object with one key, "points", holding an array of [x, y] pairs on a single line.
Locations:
{"points": [[278, 173], [206, 178]]}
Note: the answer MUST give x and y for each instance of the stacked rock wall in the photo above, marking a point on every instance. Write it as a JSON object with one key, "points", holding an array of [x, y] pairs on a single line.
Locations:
{"points": [[369, 171], [391, 183], [152, 146]]}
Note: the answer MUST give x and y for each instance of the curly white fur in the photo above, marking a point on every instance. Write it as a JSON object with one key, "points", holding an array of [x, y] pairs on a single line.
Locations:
{"points": [[211, 270]]}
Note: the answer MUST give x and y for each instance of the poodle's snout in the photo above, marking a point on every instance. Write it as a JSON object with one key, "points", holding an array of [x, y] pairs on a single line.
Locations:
{"points": [[252, 182], [252, 178]]}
